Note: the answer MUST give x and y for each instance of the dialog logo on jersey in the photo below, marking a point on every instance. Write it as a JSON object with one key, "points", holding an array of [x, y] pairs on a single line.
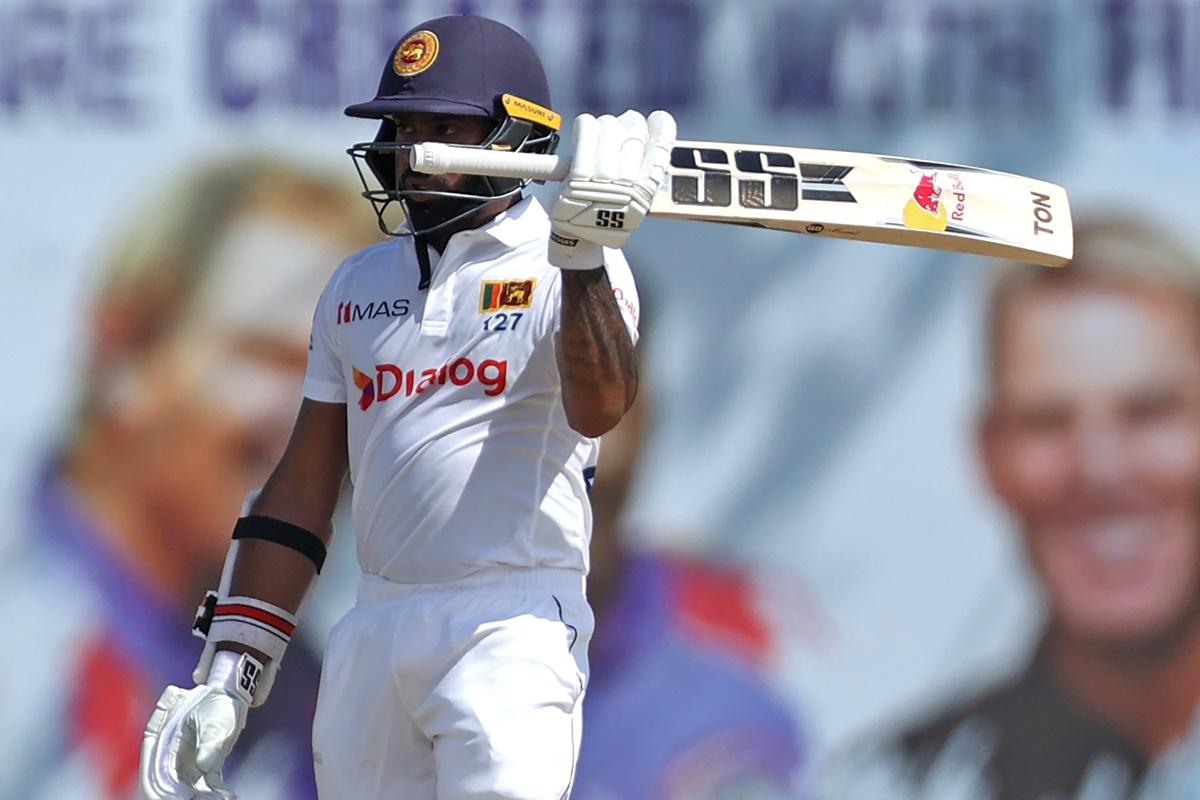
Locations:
{"points": [[925, 210], [366, 386], [392, 380], [503, 295]]}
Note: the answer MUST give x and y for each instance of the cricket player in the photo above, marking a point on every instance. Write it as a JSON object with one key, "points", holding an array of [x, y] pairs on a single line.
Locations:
{"points": [[460, 376]]}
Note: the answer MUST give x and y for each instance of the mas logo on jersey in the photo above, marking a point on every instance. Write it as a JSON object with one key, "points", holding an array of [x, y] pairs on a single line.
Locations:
{"points": [[391, 380], [503, 295], [416, 54], [353, 312]]}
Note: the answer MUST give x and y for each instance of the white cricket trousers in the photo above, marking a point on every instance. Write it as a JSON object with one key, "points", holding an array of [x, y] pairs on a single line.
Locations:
{"points": [[459, 691]]}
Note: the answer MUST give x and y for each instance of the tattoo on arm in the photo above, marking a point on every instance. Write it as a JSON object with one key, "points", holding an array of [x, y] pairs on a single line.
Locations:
{"points": [[597, 355]]}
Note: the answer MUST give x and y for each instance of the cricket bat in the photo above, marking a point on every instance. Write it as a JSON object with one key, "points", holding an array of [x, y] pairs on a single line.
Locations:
{"points": [[871, 198]]}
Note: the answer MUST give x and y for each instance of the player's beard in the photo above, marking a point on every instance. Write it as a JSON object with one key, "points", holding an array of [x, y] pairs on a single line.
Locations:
{"points": [[425, 212]]}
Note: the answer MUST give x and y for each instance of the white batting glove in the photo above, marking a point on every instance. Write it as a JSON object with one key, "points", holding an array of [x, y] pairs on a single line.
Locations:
{"points": [[192, 731], [618, 166]]}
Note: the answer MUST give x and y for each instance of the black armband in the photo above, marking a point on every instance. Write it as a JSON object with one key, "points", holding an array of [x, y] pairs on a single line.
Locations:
{"points": [[274, 530]]}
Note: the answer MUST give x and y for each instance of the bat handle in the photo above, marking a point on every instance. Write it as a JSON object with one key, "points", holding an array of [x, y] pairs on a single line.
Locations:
{"points": [[434, 158]]}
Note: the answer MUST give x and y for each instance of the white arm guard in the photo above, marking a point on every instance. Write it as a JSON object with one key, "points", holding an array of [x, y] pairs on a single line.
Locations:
{"points": [[246, 620]]}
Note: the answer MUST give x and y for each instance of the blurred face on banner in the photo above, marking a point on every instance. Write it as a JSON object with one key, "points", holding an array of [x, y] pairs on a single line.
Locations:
{"points": [[1092, 440], [201, 415], [211, 420]]}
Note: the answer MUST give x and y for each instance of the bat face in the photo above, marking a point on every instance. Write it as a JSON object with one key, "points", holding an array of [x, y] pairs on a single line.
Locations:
{"points": [[829, 193], [871, 198]]}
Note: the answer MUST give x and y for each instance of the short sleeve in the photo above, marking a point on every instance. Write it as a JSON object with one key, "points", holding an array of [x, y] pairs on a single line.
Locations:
{"points": [[620, 276], [324, 379]]}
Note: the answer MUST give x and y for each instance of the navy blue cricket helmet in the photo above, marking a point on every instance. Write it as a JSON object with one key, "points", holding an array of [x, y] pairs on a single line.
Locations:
{"points": [[463, 65]]}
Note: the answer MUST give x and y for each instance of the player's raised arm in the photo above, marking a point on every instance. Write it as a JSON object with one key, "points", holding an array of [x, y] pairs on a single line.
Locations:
{"points": [[278, 548], [618, 165]]}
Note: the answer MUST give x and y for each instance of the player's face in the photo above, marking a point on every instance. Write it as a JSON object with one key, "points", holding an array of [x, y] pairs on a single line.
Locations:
{"points": [[1093, 442], [415, 128]]}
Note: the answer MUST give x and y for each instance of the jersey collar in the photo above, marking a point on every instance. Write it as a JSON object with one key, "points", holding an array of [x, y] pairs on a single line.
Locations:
{"points": [[521, 223]]}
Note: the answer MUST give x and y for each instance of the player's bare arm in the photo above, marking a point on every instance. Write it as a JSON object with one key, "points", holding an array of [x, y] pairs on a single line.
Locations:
{"points": [[596, 356], [302, 491]]}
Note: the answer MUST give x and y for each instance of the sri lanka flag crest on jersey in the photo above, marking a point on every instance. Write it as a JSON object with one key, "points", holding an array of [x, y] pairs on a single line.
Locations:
{"points": [[501, 295]]}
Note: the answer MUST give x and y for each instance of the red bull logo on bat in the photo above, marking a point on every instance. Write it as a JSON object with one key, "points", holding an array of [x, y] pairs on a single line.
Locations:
{"points": [[927, 193], [928, 210]]}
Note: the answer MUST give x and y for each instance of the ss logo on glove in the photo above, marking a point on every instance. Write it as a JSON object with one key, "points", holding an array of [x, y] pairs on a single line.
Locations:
{"points": [[610, 219], [619, 165], [248, 676]]}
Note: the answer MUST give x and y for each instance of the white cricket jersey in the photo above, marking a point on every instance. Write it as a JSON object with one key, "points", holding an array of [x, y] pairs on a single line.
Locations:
{"points": [[460, 451]]}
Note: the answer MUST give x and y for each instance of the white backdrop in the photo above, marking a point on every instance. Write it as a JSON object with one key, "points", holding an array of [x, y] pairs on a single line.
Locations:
{"points": [[814, 397]]}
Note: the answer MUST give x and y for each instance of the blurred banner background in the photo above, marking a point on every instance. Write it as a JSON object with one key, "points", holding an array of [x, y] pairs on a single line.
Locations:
{"points": [[810, 520]]}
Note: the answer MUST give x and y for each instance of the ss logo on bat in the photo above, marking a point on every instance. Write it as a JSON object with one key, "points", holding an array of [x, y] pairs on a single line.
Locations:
{"points": [[610, 219], [751, 179]]}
